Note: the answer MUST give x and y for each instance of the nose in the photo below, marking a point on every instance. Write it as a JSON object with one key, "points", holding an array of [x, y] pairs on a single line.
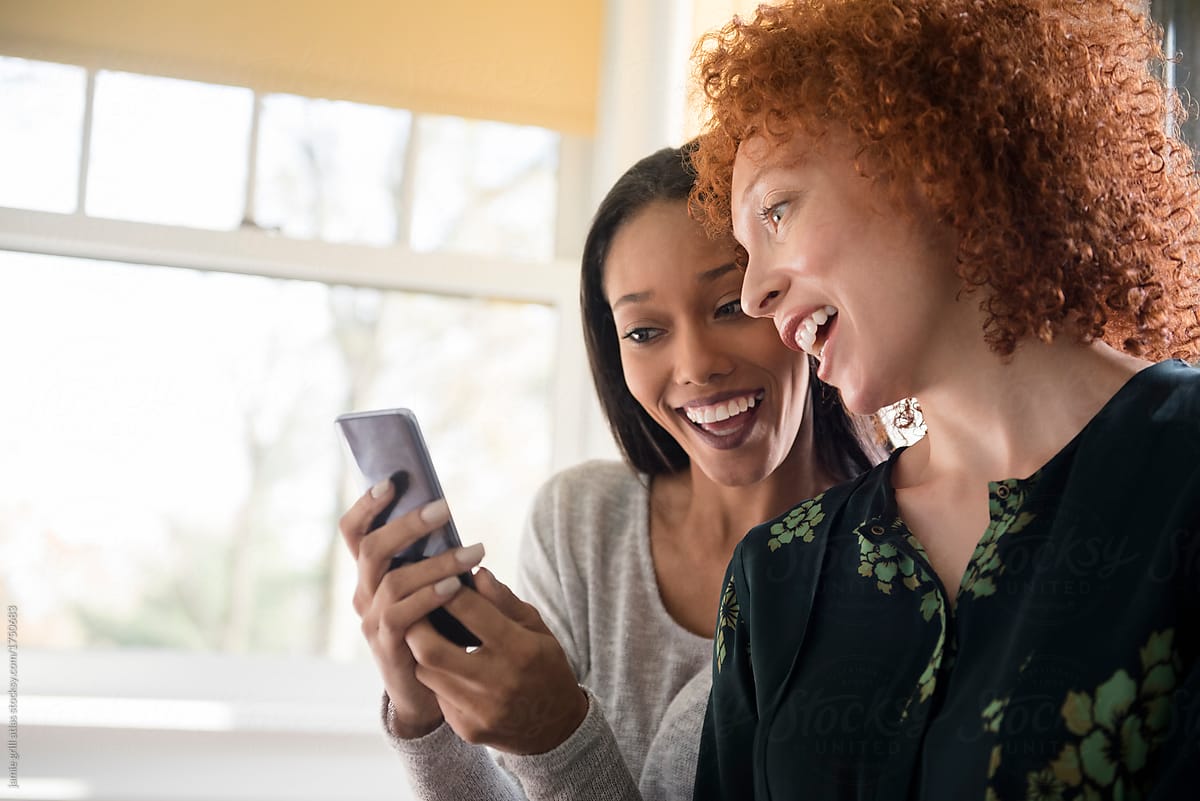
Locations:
{"points": [[762, 289], [699, 356]]}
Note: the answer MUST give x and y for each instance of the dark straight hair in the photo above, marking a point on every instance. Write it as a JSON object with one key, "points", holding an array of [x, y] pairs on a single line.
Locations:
{"points": [[845, 445]]}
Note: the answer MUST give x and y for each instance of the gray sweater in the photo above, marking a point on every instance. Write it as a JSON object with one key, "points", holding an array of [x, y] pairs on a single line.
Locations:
{"points": [[586, 566]]}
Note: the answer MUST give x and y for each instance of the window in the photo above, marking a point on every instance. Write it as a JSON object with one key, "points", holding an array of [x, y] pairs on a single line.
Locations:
{"points": [[40, 133], [177, 487], [330, 170], [182, 386], [194, 281], [484, 187], [1181, 39], [168, 151]]}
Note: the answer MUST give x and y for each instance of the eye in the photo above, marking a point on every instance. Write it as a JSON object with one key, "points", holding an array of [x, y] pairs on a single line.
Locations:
{"points": [[772, 216], [642, 336], [731, 309]]}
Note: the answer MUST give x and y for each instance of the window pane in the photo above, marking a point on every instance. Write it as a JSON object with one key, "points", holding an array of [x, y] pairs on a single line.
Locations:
{"points": [[330, 170], [1180, 20], [485, 187], [172, 473], [41, 127], [169, 151]]}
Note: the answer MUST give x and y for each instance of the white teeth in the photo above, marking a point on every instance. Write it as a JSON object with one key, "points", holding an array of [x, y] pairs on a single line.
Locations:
{"points": [[806, 334], [721, 411]]}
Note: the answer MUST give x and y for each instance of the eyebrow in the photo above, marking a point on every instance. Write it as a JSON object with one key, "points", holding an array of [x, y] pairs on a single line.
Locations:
{"points": [[706, 277], [765, 166]]}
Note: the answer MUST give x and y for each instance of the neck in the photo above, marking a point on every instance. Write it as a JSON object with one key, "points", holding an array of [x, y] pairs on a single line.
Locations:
{"points": [[991, 419], [717, 516]]}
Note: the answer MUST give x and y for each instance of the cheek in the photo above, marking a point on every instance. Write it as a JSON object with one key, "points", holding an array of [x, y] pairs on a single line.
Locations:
{"points": [[798, 382], [787, 365], [810, 248], [642, 382]]}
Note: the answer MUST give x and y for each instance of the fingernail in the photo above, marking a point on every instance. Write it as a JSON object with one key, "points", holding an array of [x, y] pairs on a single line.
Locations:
{"points": [[447, 586], [469, 556], [436, 513], [379, 489]]}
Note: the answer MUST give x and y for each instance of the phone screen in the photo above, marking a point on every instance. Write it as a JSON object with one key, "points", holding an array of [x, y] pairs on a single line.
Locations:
{"points": [[388, 444]]}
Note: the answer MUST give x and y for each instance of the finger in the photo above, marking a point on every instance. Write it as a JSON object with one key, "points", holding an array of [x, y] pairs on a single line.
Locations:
{"points": [[354, 524], [493, 628], [504, 599], [375, 552], [399, 582], [455, 710], [460, 691], [409, 578], [435, 656], [434, 650], [392, 624]]}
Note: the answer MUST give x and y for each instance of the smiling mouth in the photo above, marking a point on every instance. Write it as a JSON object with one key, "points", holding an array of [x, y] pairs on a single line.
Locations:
{"points": [[726, 422], [813, 332], [722, 410]]}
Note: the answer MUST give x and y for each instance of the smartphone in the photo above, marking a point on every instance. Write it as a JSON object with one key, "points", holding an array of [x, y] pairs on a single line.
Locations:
{"points": [[387, 444]]}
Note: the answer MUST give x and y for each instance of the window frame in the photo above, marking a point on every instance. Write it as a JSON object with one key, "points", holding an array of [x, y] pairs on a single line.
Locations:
{"points": [[67, 690]]}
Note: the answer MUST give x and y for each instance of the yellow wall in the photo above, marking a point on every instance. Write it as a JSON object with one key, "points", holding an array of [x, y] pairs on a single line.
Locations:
{"points": [[525, 61], [710, 15]]}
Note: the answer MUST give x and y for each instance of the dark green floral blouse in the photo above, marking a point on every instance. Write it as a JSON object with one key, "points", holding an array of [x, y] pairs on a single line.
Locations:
{"points": [[1066, 670]]}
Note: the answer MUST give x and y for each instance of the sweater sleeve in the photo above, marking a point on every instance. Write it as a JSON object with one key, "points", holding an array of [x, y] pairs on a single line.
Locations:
{"points": [[442, 766], [588, 766]]}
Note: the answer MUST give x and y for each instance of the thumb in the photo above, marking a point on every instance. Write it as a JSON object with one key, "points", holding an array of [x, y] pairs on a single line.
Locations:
{"points": [[504, 599]]}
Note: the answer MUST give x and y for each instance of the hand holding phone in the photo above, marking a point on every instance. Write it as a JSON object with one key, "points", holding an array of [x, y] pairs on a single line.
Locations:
{"points": [[387, 444]]}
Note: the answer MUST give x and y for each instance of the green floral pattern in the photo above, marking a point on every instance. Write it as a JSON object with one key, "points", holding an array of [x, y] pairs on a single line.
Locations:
{"points": [[727, 621], [993, 715], [1044, 786], [928, 678], [1005, 502], [800, 523], [883, 561], [1118, 726]]}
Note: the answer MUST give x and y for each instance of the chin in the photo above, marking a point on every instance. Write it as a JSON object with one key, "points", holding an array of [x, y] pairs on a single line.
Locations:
{"points": [[862, 400], [861, 391]]}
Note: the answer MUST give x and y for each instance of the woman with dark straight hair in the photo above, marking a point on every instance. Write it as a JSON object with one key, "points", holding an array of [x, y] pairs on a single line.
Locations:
{"points": [[595, 685]]}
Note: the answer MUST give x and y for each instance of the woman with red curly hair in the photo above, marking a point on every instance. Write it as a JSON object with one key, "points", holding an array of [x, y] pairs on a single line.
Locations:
{"points": [[979, 204]]}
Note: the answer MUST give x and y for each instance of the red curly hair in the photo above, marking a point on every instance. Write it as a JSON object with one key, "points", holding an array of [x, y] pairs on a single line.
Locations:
{"points": [[1037, 129]]}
